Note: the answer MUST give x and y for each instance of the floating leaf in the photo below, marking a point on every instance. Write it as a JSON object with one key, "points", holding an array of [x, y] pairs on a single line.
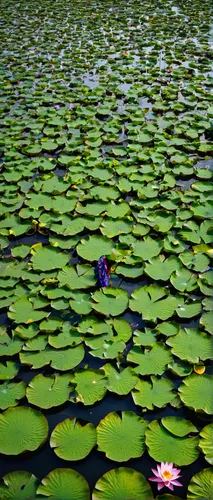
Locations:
{"points": [[151, 362], [48, 258], [62, 359], [8, 370], [48, 392], [164, 446], [11, 393], [121, 438], [91, 386], [122, 483], [94, 247], [161, 269], [205, 443], [150, 301], [196, 392], [191, 345], [22, 311], [71, 440], [20, 485], [64, 483], [120, 382], [178, 426], [157, 392], [111, 301], [201, 485], [148, 248], [22, 429]]}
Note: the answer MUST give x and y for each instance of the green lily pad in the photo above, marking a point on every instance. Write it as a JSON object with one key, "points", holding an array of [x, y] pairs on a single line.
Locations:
{"points": [[150, 362], [48, 258], [11, 393], [111, 301], [22, 429], [20, 485], [121, 382], [121, 438], [205, 443], [48, 392], [148, 248], [157, 392], [71, 440], [22, 311], [191, 345], [153, 302], [91, 386], [206, 321], [164, 446], [122, 483], [93, 248], [161, 269], [62, 359], [178, 426], [201, 486], [83, 277], [64, 483], [8, 370], [196, 392]]}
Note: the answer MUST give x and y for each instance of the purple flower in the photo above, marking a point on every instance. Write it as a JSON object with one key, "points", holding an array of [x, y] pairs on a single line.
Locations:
{"points": [[166, 475], [103, 271]]}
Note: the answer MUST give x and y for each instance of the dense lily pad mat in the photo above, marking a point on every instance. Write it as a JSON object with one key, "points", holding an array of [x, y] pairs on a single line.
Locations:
{"points": [[106, 147]]}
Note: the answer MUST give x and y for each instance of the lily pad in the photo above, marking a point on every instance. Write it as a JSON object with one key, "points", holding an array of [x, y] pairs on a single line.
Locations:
{"points": [[196, 392], [91, 386], [48, 258], [153, 302], [110, 301], [94, 247], [150, 362], [62, 359], [157, 392], [71, 440], [191, 345], [11, 393], [20, 485], [22, 429], [121, 382], [201, 486], [121, 438], [22, 311], [164, 446], [122, 483], [205, 443], [48, 392], [148, 248], [64, 483]]}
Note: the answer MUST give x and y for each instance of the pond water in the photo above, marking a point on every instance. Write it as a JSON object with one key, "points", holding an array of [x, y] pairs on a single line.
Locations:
{"points": [[106, 149]]}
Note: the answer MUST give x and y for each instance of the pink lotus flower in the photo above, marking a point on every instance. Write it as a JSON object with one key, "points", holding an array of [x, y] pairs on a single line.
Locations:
{"points": [[166, 475]]}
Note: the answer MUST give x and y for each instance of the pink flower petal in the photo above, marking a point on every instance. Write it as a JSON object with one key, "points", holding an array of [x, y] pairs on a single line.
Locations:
{"points": [[160, 486], [170, 486], [155, 479], [155, 473], [176, 483]]}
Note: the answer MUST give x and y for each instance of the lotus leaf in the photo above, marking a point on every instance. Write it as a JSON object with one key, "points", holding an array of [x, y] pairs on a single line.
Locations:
{"points": [[196, 393], [151, 362], [71, 440], [64, 483], [20, 485], [48, 392], [205, 443], [164, 446], [91, 386], [157, 392], [94, 247], [122, 483], [11, 393], [201, 485], [191, 345], [110, 301], [22, 311], [74, 280], [22, 429], [148, 248], [121, 438], [63, 359], [121, 382], [153, 302], [48, 258]]}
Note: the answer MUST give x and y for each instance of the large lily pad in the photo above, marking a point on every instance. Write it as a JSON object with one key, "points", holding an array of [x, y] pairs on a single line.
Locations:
{"points": [[11, 393], [48, 258], [61, 359], [22, 311], [196, 392], [64, 483], [121, 438], [48, 392], [71, 440], [153, 302], [201, 485], [22, 429], [122, 484], [91, 386], [165, 446], [121, 382], [150, 362], [110, 301], [94, 247], [191, 345], [205, 443], [20, 485], [157, 392]]}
